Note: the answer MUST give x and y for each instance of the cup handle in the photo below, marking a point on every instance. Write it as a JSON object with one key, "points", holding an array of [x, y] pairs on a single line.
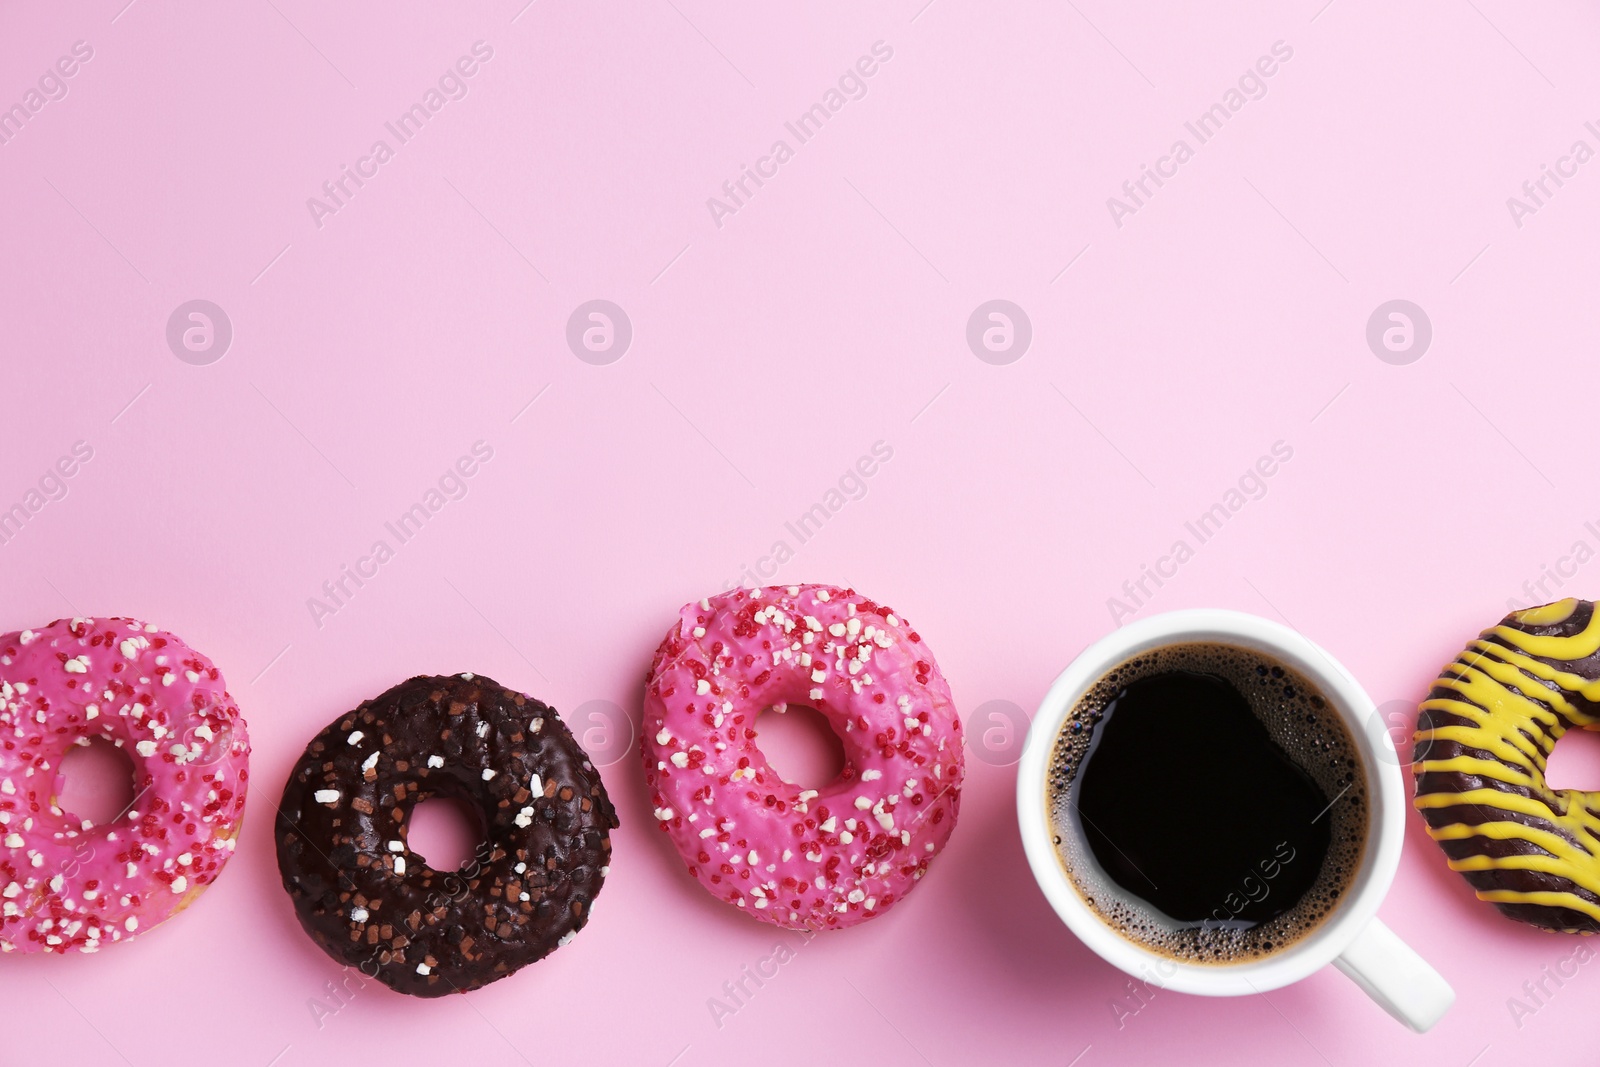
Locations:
{"points": [[1390, 972]]}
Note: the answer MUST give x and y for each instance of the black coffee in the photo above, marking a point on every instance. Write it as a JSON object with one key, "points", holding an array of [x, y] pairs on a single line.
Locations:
{"points": [[1220, 798]]}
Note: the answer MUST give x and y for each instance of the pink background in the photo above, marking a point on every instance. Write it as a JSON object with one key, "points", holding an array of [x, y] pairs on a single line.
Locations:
{"points": [[1228, 313]]}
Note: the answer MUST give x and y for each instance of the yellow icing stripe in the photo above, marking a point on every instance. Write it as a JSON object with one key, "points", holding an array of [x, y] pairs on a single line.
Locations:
{"points": [[1478, 738], [1548, 614], [1548, 899], [1579, 646], [1481, 767], [1489, 798], [1554, 844], [1571, 683], [1484, 690], [1546, 864]]}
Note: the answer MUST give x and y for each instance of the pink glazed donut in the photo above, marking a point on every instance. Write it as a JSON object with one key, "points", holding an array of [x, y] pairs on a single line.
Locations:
{"points": [[818, 859], [67, 885]]}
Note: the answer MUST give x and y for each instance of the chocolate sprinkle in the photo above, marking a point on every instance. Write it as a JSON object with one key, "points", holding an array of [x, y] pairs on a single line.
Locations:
{"points": [[373, 904]]}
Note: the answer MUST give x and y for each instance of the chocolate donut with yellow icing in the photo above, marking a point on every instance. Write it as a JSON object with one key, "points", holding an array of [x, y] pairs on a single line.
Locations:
{"points": [[1483, 737]]}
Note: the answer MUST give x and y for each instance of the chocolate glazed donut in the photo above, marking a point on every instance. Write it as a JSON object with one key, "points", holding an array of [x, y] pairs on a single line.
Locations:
{"points": [[371, 903], [1484, 736]]}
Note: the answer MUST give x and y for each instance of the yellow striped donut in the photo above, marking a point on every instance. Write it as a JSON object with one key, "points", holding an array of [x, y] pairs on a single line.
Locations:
{"points": [[1483, 737]]}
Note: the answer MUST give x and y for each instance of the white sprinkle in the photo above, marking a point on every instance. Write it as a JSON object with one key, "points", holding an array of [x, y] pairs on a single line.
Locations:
{"points": [[397, 846], [751, 859], [862, 803], [837, 629], [370, 762], [830, 825], [146, 748], [132, 924], [680, 759], [422, 968], [709, 831], [354, 738], [187, 859], [819, 675], [536, 785], [664, 737], [886, 821], [57, 882], [488, 774], [435, 761], [77, 665], [13, 840], [856, 896], [179, 884], [702, 687], [12, 890], [816, 693], [358, 914], [665, 814], [823, 595], [399, 865], [699, 631], [787, 855], [871, 775], [326, 796], [845, 837], [483, 729], [7, 788], [525, 817]]}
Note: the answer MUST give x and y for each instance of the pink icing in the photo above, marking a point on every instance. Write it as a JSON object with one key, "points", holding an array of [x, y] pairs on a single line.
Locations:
{"points": [[69, 885], [805, 859]]}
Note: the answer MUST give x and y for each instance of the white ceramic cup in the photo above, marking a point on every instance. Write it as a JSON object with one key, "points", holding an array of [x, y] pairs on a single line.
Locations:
{"points": [[1351, 937]]}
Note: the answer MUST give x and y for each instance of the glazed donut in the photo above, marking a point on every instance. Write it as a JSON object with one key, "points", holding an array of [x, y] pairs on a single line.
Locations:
{"points": [[67, 884], [370, 902], [1484, 735], [816, 859]]}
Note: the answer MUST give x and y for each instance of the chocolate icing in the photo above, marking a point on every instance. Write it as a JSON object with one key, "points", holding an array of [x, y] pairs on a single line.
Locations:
{"points": [[1529, 713], [371, 903]]}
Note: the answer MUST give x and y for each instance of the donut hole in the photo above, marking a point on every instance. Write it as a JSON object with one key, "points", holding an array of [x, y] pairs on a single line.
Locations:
{"points": [[799, 744], [1575, 761], [95, 782], [444, 832]]}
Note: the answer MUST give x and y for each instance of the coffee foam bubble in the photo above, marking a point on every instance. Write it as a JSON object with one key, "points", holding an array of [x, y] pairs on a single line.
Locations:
{"points": [[1300, 721]]}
